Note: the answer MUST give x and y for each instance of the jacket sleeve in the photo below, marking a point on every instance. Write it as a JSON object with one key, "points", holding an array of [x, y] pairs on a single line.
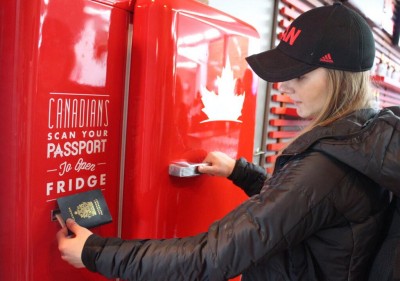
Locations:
{"points": [[248, 176], [163, 260], [265, 224]]}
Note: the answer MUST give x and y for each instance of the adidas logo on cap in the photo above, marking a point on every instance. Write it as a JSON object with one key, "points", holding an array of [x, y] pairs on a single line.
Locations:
{"points": [[327, 58]]}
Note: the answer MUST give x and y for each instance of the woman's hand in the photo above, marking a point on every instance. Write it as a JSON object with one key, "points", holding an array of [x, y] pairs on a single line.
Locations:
{"points": [[220, 164], [71, 247]]}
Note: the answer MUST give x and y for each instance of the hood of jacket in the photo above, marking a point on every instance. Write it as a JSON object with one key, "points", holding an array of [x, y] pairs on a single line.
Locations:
{"points": [[367, 140]]}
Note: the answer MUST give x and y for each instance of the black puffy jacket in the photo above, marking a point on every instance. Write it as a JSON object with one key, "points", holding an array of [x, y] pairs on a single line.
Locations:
{"points": [[317, 218]]}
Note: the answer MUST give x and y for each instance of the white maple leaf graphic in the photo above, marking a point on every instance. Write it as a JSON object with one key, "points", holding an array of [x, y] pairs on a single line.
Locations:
{"points": [[225, 105]]}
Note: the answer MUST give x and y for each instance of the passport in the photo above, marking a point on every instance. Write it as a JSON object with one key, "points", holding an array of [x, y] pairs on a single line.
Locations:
{"points": [[89, 209]]}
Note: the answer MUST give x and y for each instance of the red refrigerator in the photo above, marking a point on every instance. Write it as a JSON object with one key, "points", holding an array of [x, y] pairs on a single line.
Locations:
{"points": [[107, 95], [62, 90], [191, 92]]}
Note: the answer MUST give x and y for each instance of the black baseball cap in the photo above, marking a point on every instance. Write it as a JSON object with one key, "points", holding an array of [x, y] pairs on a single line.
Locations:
{"points": [[333, 36]]}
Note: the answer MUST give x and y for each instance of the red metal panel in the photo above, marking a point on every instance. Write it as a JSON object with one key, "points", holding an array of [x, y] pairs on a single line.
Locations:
{"points": [[284, 110], [275, 86], [271, 159], [282, 98], [386, 83], [276, 146], [283, 23], [298, 5], [282, 134], [62, 89], [285, 122], [289, 13]]}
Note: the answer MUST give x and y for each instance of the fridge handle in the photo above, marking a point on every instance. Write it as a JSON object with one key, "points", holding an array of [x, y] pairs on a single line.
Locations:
{"points": [[184, 169]]}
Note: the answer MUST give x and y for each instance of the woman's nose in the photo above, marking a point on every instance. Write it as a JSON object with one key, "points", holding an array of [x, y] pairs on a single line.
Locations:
{"points": [[284, 87]]}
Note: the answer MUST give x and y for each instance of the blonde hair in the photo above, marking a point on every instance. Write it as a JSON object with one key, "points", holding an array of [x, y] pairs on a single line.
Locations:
{"points": [[347, 92]]}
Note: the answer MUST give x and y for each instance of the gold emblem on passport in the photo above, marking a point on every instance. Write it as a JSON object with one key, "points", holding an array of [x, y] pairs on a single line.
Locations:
{"points": [[85, 210], [88, 209]]}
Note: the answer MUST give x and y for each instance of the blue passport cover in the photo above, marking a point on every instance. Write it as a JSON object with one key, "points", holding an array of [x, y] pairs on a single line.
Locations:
{"points": [[89, 209]]}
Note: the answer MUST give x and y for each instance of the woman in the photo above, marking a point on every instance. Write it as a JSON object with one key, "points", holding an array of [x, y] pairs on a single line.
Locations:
{"points": [[319, 216]]}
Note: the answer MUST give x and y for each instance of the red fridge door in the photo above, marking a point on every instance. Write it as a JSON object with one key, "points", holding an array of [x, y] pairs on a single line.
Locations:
{"points": [[62, 88], [191, 93]]}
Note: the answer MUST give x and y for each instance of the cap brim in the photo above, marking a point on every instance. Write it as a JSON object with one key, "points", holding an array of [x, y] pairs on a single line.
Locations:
{"points": [[275, 66]]}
